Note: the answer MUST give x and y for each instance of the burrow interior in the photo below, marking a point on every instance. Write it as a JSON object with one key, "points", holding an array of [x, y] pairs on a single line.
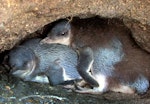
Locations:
{"points": [[15, 90]]}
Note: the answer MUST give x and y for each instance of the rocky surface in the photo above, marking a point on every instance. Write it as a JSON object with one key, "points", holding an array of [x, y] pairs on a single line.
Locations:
{"points": [[141, 34], [19, 18], [15, 91]]}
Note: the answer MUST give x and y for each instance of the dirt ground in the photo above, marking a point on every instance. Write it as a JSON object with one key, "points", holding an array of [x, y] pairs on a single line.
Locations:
{"points": [[16, 91]]}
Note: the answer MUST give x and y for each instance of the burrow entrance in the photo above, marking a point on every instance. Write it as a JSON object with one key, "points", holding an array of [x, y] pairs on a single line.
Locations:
{"points": [[18, 91]]}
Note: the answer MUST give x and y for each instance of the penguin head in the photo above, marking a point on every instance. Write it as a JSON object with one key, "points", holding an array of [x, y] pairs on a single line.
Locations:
{"points": [[22, 62], [60, 33]]}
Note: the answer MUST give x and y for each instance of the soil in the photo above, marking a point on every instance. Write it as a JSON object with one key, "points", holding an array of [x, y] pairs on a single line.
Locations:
{"points": [[16, 91]]}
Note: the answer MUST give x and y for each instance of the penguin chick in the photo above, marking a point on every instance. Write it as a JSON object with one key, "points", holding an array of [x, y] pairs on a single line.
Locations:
{"points": [[31, 61], [114, 56]]}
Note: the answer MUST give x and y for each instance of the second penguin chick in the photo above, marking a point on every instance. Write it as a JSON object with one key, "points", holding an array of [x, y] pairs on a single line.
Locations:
{"points": [[115, 58], [31, 59]]}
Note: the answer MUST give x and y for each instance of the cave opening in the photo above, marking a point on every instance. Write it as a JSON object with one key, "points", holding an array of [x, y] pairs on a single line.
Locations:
{"points": [[77, 21], [94, 22]]}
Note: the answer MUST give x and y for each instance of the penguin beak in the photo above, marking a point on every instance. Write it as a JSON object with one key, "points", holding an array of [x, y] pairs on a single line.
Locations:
{"points": [[45, 40], [58, 40], [13, 69]]}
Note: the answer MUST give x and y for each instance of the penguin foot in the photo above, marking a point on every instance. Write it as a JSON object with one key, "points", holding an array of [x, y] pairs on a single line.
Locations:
{"points": [[85, 90]]}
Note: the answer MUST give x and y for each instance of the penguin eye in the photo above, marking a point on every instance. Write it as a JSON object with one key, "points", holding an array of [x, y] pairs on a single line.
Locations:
{"points": [[63, 33], [24, 64]]}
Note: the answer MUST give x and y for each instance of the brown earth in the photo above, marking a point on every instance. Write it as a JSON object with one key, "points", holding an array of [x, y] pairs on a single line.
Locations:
{"points": [[19, 18]]}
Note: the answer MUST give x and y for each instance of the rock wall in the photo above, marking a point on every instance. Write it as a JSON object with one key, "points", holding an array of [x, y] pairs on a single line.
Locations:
{"points": [[19, 18]]}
